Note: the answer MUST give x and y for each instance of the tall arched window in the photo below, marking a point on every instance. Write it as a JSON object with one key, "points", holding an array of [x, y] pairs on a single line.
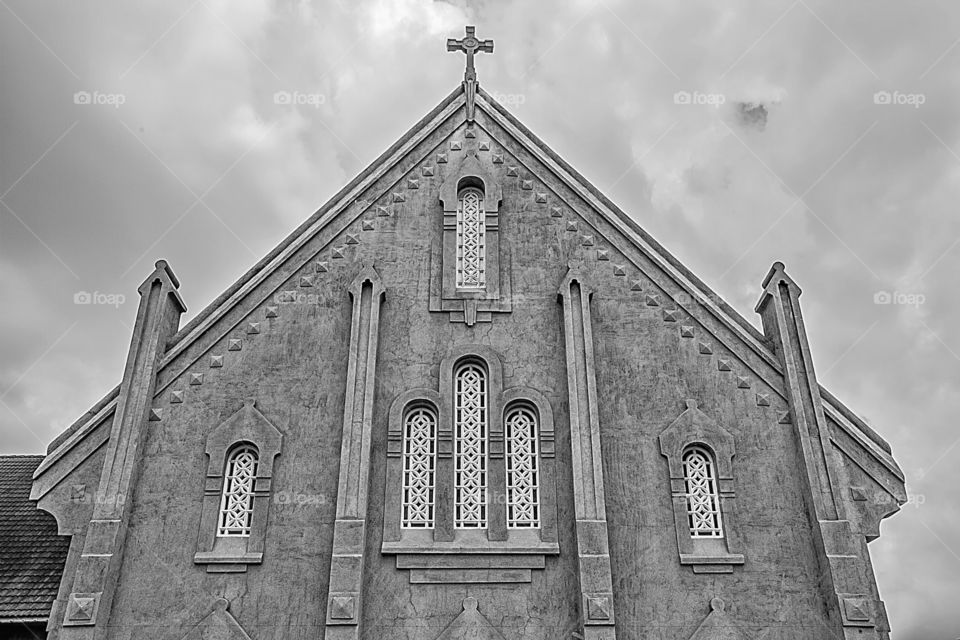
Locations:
{"points": [[236, 503], [523, 469], [470, 436], [419, 467], [471, 240], [703, 500]]}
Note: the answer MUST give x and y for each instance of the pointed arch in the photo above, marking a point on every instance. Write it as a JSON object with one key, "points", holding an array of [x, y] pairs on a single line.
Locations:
{"points": [[419, 466], [702, 493]]}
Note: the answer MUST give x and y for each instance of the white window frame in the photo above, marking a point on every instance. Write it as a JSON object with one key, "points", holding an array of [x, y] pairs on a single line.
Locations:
{"points": [[471, 428], [523, 467], [237, 493], [419, 467], [471, 241], [702, 495]]}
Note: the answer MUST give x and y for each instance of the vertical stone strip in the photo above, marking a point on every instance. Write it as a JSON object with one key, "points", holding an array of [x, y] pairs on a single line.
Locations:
{"points": [[88, 608], [346, 565], [593, 554], [854, 607]]}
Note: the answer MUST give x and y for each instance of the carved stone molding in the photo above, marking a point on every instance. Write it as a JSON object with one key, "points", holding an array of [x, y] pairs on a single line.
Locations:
{"points": [[470, 625], [470, 305], [246, 426], [593, 553], [695, 428], [344, 599]]}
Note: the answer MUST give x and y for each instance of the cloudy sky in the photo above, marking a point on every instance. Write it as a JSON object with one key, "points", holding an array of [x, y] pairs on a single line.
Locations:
{"points": [[822, 134]]}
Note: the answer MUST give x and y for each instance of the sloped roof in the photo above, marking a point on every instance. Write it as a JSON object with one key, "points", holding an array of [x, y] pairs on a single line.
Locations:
{"points": [[449, 107], [32, 555]]}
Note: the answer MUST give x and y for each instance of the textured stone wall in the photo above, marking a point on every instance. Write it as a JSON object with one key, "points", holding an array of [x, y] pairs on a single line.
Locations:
{"points": [[291, 357]]}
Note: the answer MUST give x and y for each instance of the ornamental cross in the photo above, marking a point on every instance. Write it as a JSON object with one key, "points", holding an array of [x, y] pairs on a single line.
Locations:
{"points": [[470, 45]]}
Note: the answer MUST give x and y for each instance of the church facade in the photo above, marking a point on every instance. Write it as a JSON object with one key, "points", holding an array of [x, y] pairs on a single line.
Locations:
{"points": [[468, 398]]}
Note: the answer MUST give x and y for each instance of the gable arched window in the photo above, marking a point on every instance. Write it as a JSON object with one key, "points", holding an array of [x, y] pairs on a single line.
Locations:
{"points": [[523, 468], [236, 502], [703, 497], [470, 442], [419, 467], [471, 239]]}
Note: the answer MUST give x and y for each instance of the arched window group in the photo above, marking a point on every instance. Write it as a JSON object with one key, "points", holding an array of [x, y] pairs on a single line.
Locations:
{"points": [[471, 405]]}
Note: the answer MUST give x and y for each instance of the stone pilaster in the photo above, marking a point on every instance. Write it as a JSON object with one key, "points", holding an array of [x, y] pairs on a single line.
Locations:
{"points": [[349, 533], [593, 554], [87, 613], [847, 587]]}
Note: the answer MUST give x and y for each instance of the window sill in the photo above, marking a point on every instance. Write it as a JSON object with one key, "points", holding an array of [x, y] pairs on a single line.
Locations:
{"points": [[227, 562], [715, 563]]}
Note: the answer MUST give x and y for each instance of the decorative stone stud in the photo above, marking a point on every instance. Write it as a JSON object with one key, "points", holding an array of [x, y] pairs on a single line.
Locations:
{"points": [[571, 225], [235, 344], [253, 328], [686, 331], [526, 185], [598, 608], [367, 225], [652, 300], [743, 382], [353, 238], [784, 417], [763, 399], [271, 312], [441, 158], [603, 254], [456, 145], [322, 266], [399, 197], [587, 241], [619, 270], [216, 362], [426, 171], [196, 379], [155, 415], [176, 397], [556, 212], [723, 365], [704, 348], [337, 252], [497, 158], [470, 133], [343, 607], [382, 211], [413, 183], [513, 172], [670, 315], [306, 281], [636, 285], [484, 146], [541, 198]]}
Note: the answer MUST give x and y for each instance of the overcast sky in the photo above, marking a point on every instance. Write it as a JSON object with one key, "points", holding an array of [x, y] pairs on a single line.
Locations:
{"points": [[823, 134]]}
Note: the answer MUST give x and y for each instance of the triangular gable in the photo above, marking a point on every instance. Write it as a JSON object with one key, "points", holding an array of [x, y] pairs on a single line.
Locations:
{"points": [[629, 231]]}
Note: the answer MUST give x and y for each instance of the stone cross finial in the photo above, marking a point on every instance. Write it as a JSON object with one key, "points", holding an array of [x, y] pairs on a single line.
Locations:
{"points": [[470, 45]]}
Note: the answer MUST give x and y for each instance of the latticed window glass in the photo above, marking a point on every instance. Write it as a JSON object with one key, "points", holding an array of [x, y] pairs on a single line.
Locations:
{"points": [[471, 239], [470, 431], [419, 468], [523, 471], [236, 504], [703, 500]]}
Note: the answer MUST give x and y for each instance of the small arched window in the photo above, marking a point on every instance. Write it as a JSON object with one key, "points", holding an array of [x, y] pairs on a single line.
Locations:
{"points": [[236, 503], [470, 437], [523, 468], [471, 240], [703, 499], [419, 467]]}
